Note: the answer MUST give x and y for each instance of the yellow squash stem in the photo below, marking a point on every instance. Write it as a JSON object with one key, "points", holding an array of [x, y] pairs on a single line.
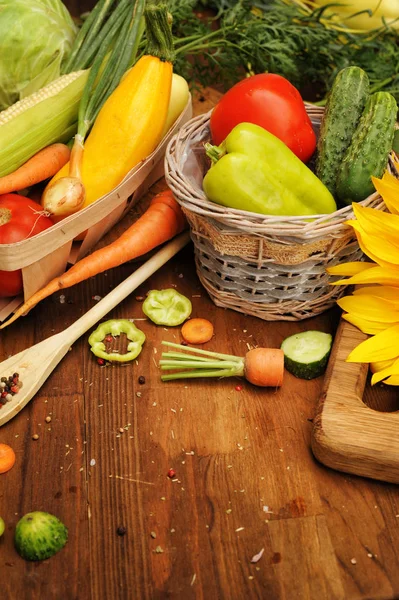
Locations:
{"points": [[130, 124]]}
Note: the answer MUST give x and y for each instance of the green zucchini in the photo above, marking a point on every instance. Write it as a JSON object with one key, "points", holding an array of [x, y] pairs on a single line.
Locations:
{"points": [[306, 354], [344, 107], [369, 150]]}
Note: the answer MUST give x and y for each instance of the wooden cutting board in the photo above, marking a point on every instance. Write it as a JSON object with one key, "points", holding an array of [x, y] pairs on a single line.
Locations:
{"points": [[347, 434]]}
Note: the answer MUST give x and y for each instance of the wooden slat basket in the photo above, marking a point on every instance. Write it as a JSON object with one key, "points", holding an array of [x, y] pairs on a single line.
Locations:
{"points": [[47, 254], [271, 267]]}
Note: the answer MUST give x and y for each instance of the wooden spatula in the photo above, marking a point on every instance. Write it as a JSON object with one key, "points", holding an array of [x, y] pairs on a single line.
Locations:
{"points": [[36, 363]]}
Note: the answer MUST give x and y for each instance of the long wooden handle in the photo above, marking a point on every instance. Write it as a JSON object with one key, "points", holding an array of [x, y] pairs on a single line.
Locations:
{"points": [[125, 288]]}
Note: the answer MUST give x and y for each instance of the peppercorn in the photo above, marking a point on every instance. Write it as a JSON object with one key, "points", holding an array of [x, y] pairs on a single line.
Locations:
{"points": [[121, 531], [35, 436], [141, 379], [171, 473]]}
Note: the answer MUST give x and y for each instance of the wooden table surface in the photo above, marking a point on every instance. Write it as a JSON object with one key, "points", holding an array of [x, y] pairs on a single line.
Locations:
{"points": [[246, 481]]}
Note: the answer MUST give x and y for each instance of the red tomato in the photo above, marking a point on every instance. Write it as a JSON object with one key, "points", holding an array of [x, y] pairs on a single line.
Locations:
{"points": [[20, 218], [271, 102]]}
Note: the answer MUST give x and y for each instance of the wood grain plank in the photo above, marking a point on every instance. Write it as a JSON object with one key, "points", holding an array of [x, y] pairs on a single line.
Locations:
{"points": [[304, 559], [348, 435], [47, 475]]}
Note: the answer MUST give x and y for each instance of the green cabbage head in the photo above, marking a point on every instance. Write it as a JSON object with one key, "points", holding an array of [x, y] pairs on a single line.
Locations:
{"points": [[35, 39]]}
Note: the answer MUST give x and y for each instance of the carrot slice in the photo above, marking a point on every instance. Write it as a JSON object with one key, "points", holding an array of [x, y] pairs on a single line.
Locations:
{"points": [[197, 331], [7, 458]]}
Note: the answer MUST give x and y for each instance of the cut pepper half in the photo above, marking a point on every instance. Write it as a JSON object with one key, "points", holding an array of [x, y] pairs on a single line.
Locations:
{"points": [[167, 307]]}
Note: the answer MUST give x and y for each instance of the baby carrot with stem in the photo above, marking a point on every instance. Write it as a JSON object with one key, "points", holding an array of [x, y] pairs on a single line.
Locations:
{"points": [[263, 367], [162, 221]]}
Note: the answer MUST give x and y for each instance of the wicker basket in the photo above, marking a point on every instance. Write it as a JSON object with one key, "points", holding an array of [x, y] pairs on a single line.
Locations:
{"points": [[268, 266]]}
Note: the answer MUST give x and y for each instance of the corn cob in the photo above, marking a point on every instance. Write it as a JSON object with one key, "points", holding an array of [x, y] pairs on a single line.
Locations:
{"points": [[47, 116]]}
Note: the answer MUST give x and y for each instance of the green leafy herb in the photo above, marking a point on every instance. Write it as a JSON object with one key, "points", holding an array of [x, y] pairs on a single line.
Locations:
{"points": [[279, 36]]}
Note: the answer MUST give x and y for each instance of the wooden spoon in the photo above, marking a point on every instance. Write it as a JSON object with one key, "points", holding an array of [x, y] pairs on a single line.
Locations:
{"points": [[36, 363]]}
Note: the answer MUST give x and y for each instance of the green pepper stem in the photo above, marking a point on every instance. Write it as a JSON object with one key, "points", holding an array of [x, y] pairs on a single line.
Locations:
{"points": [[215, 153]]}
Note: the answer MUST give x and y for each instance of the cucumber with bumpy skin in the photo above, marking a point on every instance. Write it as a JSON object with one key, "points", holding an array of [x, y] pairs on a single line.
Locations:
{"points": [[306, 354], [369, 150], [344, 107]]}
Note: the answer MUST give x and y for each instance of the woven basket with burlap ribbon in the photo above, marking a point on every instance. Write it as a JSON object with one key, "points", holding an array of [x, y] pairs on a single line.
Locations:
{"points": [[271, 267]]}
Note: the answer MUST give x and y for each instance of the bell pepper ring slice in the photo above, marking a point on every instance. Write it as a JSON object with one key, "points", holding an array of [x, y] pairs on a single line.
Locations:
{"points": [[167, 307], [115, 327]]}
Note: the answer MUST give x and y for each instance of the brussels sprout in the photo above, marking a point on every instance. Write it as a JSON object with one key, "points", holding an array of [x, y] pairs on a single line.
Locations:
{"points": [[39, 535], [36, 38]]}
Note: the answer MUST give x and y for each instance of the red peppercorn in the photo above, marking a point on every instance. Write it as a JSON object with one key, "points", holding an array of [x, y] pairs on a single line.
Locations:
{"points": [[238, 388], [3, 394], [100, 361], [15, 389], [109, 338], [171, 473]]}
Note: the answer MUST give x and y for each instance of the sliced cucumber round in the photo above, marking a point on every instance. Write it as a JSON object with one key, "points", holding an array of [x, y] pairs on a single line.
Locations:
{"points": [[306, 354]]}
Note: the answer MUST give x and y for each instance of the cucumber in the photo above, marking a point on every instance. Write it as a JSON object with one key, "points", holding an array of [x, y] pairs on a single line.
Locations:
{"points": [[344, 107], [306, 354], [369, 150]]}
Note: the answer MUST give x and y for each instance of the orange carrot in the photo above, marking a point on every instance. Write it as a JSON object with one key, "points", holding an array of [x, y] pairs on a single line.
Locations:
{"points": [[264, 367], [7, 458], [197, 331], [261, 366], [157, 225], [41, 166]]}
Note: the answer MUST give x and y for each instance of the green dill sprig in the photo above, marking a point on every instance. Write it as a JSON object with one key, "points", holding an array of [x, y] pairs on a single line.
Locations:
{"points": [[279, 36]]}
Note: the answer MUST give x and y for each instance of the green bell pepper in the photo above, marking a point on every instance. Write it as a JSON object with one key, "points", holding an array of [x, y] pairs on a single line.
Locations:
{"points": [[167, 307], [115, 327], [253, 170]]}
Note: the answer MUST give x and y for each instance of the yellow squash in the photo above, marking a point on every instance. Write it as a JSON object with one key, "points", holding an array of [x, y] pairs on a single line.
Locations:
{"points": [[364, 14], [128, 127]]}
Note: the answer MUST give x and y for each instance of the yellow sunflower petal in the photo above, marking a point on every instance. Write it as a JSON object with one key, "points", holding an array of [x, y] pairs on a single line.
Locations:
{"points": [[377, 274], [372, 219], [382, 346], [382, 248], [365, 325], [388, 188], [390, 371], [350, 268], [388, 292], [394, 380], [381, 364], [370, 307]]}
